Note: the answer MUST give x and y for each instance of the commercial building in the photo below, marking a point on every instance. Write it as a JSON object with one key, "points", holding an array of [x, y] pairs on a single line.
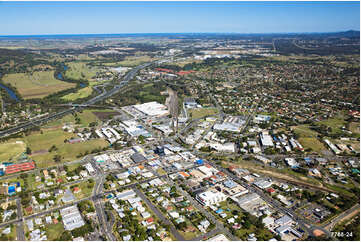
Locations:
{"points": [[89, 168], [134, 129], [292, 162], [231, 124], [153, 109], [71, 218], [263, 184], [210, 197], [226, 147], [125, 195], [266, 139]]}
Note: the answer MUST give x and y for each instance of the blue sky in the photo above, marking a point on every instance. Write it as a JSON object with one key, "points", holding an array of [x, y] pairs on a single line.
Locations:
{"points": [[35, 18]]}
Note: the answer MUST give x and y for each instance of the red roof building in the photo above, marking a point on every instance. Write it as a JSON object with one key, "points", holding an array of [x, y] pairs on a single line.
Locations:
{"points": [[184, 72], [29, 209], [164, 70], [270, 190], [20, 167], [76, 189]]}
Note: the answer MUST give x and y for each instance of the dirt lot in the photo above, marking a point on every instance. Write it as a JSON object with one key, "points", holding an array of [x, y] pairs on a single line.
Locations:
{"points": [[105, 115]]}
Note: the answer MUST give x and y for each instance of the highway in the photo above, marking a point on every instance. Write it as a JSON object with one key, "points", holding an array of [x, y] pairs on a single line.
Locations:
{"points": [[24, 126]]}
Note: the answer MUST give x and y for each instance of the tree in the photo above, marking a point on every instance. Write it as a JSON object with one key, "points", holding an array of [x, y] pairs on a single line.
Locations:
{"points": [[57, 158], [53, 148], [65, 236], [247, 224]]}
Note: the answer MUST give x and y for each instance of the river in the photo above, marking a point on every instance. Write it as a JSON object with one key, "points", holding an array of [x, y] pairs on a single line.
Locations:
{"points": [[10, 92]]}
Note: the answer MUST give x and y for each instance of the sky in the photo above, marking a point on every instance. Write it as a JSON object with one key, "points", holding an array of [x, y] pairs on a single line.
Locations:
{"points": [[37, 18]]}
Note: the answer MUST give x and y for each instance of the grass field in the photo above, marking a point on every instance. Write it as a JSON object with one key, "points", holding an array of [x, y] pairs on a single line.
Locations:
{"points": [[86, 117], [189, 235], [304, 131], [86, 190], [354, 127], [54, 231], [82, 93], [11, 150], [68, 152], [66, 119], [201, 112], [36, 85], [134, 61], [312, 143], [334, 123], [80, 71]]}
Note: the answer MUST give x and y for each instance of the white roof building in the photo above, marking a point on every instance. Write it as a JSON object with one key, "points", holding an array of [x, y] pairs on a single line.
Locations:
{"points": [[219, 237], [211, 197], [71, 218], [266, 139], [152, 109], [226, 147]]}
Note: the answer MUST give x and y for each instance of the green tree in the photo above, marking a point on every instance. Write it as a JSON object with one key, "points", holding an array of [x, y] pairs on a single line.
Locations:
{"points": [[57, 158]]}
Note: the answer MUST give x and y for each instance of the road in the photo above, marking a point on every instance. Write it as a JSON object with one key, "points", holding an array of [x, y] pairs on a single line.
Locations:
{"points": [[45, 212], [274, 203], [99, 207], [159, 214], [24, 126], [20, 234], [208, 234], [346, 214], [208, 215]]}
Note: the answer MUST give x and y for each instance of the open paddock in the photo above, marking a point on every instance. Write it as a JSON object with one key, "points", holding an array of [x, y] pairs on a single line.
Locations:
{"points": [[36, 85]]}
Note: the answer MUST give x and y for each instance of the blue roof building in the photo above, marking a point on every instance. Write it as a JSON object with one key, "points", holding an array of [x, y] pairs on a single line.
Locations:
{"points": [[11, 190]]}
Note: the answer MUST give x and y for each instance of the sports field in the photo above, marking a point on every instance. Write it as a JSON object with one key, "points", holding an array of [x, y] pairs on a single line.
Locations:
{"points": [[81, 93], [36, 85], [80, 71]]}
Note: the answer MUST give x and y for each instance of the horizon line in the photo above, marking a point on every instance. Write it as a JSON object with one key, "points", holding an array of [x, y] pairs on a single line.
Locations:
{"points": [[140, 33]]}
